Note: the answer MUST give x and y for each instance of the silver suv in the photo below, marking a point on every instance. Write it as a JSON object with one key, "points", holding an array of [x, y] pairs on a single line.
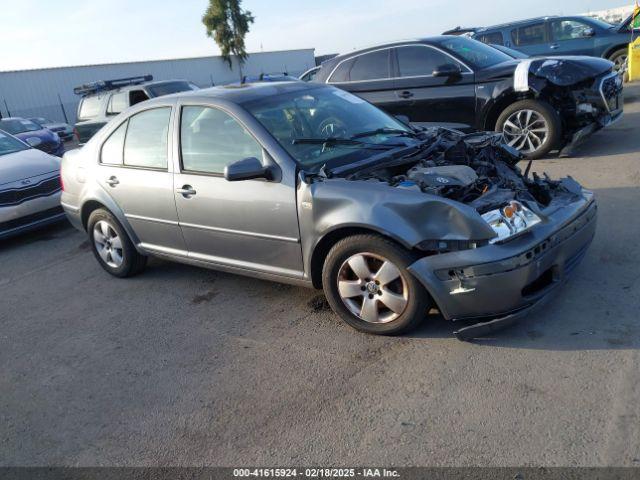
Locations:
{"points": [[311, 185]]}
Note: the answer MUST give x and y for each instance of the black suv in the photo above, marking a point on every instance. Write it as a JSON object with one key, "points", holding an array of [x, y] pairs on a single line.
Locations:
{"points": [[104, 99], [538, 104]]}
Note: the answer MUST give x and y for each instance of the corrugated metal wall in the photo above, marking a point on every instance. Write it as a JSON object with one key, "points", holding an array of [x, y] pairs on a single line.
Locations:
{"points": [[31, 93]]}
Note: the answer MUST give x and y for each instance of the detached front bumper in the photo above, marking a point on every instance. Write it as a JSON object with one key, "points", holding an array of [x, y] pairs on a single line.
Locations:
{"points": [[497, 284]]}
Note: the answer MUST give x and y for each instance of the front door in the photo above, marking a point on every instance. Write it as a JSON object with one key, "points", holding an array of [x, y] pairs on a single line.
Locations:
{"points": [[571, 37], [135, 171], [431, 100], [249, 224]]}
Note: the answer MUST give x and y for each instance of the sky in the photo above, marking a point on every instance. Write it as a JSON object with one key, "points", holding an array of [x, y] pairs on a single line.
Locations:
{"points": [[44, 33]]}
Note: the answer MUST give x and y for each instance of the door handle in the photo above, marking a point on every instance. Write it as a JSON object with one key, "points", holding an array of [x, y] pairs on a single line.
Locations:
{"points": [[405, 94], [553, 46], [187, 191], [112, 181]]}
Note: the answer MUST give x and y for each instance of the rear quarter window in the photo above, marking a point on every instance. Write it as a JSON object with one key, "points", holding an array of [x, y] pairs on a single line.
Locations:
{"points": [[90, 107]]}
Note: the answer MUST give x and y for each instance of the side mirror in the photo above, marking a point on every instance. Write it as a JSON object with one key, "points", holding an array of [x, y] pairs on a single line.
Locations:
{"points": [[402, 118], [589, 32], [33, 141], [448, 70], [247, 169]]}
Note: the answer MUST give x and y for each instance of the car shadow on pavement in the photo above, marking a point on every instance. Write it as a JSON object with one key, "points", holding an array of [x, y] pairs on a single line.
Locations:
{"points": [[43, 234]]}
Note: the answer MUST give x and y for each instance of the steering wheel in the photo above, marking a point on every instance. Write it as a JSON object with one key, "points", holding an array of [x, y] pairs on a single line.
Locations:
{"points": [[332, 127]]}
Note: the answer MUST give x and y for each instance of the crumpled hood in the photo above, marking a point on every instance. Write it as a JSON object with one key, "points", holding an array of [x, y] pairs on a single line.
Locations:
{"points": [[26, 164], [569, 70]]}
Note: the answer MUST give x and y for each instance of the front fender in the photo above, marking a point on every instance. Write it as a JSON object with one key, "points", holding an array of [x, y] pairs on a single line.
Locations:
{"points": [[409, 217]]}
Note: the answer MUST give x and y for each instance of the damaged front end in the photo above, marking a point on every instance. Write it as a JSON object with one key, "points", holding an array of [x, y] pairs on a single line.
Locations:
{"points": [[542, 227], [480, 171], [585, 91]]}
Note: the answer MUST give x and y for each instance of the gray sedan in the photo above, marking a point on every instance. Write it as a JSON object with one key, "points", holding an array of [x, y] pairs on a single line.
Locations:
{"points": [[29, 187], [310, 185]]}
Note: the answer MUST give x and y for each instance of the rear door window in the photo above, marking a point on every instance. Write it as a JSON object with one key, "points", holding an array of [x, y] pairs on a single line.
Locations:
{"points": [[147, 138], [118, 103], [370, 66], [529, 35], [415, 61], [89, 107]]}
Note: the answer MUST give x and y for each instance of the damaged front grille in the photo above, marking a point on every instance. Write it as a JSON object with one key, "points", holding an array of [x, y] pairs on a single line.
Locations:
{"points": [[610, 89]]}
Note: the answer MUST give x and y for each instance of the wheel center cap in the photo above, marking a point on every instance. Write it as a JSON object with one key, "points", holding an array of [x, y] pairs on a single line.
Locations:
{"points": [[372, 287]]}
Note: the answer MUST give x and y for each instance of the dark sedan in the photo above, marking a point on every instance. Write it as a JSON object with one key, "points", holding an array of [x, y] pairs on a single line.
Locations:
{"points": [[538, 104], [34, 134]]}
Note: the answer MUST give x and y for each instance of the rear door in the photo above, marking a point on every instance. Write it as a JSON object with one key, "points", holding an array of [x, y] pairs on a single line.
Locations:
{"points": [[571, 37], [532, 39], [427, 99], [136, 172], [248, 224], [368, 76]]}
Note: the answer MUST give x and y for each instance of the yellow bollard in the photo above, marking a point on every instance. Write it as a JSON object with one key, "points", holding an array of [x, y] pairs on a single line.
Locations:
{"points": [[633, 62]]}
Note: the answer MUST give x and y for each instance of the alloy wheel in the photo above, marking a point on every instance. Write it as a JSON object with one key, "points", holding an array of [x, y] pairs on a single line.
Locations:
{"points": [[108, 244], [372, 288], [620, 63], [525, 130]]}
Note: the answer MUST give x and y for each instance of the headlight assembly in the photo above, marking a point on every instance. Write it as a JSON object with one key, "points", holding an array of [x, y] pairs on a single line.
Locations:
{"points": [[511, 220]]}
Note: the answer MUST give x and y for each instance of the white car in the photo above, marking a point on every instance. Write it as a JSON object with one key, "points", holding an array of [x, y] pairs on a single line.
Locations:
{"points": [[64, 130], [30, 187]]}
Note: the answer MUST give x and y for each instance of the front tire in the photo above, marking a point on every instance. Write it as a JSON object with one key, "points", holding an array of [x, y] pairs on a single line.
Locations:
{"points": [[366, 282], [619, 59], [530, 126], [112, 246]]}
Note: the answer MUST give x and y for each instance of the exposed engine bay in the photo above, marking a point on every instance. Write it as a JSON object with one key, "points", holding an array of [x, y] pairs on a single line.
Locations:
{"points": [[476, 169]]}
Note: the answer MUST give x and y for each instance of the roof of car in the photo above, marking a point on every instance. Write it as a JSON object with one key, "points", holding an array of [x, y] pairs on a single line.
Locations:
{"points": [[517, 22], [246, 92]]}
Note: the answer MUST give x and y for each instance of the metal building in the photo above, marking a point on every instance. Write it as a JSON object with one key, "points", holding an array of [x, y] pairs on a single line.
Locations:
{"points": [[48, 92]]}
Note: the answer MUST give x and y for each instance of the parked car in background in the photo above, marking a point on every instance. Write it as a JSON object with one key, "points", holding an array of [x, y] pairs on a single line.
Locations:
{"points": [[461, 83], [311, 185], [34, 134], [310, 74], [105, 99], [64, 130], [29, 187], [570, 35]]}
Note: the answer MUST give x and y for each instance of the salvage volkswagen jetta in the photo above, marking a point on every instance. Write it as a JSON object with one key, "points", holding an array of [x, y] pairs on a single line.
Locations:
{"points": [[311, 185]]}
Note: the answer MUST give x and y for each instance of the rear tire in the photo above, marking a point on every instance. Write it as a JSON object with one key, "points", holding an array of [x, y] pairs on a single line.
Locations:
{"points": [[366, 282], [531, 126], [111, 245]]}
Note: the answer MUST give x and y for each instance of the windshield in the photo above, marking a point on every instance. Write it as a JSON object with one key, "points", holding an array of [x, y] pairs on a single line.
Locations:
{"points": [[168, 88], [41, 120], [9, 144], [15, 125], [326, 125], [473, 52]]}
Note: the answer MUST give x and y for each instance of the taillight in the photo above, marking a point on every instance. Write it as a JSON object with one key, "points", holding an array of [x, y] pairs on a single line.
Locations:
{"points": [[76, 134], [61, 183]]}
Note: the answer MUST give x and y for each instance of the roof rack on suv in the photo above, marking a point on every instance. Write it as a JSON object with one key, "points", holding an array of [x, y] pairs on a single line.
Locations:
{"points": [[100, 85]]}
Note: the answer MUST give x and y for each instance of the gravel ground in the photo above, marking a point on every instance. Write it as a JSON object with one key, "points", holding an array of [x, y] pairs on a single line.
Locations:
{"points": [[185, 366]]}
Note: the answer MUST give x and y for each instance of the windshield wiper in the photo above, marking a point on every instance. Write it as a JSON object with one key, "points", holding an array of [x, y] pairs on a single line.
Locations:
{"points": [[382, 131], [330, 141]]}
